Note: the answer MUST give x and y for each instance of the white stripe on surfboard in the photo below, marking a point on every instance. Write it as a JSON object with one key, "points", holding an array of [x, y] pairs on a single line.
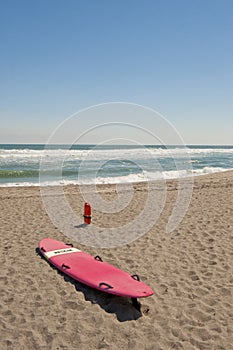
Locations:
{"points": [[52, 253]]}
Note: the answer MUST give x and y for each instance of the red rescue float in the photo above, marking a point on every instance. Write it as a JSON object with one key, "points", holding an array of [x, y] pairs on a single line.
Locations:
{"points": [[87, 213]]}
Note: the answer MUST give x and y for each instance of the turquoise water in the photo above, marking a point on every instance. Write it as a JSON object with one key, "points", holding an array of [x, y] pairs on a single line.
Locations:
{"points": [[82, 164]]}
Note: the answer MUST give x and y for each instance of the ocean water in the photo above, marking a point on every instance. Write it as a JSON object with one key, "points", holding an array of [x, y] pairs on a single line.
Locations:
{"points": [[34, 165]]}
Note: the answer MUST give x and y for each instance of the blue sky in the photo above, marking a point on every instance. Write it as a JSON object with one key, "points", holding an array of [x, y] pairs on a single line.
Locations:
{"points": [[175, 56]]}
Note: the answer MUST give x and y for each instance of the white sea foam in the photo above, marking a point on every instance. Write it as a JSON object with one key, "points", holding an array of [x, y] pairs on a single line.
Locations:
{"points": [[109, 153], [143, 164], [131, 178]]}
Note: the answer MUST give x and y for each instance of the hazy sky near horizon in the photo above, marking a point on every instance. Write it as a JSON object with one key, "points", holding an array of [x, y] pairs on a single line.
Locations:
{"points": [[59, 57]]}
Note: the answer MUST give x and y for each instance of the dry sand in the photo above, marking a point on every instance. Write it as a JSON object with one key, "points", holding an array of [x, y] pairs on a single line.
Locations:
{"points": [[190, 271]]}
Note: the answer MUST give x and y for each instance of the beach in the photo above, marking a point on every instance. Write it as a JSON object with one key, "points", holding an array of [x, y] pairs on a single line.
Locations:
{"points": [[190, 270]]}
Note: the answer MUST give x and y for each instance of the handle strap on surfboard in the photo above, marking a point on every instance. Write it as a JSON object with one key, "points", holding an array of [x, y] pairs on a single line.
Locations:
{"points": [[70, 244], [64, 266], [105, 284], [97, 257], [136, 277]]}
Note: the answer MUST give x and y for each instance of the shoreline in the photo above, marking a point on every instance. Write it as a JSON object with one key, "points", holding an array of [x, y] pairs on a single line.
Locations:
{"points": [[190, 271]]}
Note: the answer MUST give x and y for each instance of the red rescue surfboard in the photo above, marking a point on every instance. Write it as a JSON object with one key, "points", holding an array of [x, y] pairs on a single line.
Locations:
{"points": [[92, 271]]}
